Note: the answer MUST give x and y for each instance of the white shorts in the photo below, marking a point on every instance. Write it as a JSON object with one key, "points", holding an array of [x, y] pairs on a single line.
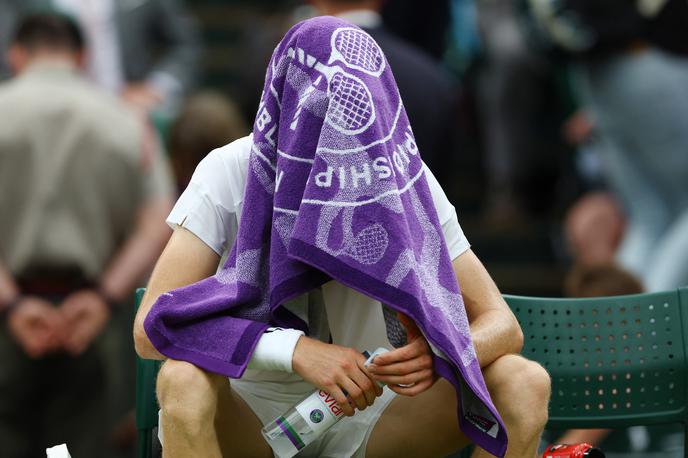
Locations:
{"points": [[348, 438]]}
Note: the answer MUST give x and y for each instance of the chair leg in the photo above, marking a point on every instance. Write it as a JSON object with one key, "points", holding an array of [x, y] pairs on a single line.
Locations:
{"points": [[144, 444]]}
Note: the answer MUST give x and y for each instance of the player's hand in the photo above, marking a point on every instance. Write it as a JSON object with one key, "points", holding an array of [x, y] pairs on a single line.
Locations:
{"points": [[337, 370], [407, 370], [37, 326], [85, 313]]}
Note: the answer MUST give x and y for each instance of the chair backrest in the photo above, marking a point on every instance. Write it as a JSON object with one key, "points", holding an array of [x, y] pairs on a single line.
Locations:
{"points": [[615, 361], [146, 403]]}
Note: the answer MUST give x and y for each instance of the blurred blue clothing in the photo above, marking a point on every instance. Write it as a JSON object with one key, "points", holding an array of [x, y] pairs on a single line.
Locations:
{"points": [[464, 44]]}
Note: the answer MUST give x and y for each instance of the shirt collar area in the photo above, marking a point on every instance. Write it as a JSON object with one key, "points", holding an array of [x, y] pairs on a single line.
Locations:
{"points": [[367, 19], [51, 67]]}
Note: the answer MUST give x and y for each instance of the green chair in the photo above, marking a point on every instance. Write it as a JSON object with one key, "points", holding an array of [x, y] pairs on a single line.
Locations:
{"points": [[614, 362], [146, 403]]}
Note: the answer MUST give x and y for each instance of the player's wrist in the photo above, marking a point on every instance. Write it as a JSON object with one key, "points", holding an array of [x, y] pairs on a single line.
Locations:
{"points": [[290, 343], [300, 356], [275, 350]]}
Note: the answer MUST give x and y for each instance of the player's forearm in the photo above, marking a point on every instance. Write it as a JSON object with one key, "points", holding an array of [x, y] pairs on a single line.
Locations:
{"points": [[494, 328], [137, 256], [185, 250], [495, 334]]}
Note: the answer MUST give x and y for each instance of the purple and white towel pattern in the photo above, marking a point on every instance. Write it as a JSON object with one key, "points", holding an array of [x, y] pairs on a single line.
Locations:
{"points": [[336, 190]]}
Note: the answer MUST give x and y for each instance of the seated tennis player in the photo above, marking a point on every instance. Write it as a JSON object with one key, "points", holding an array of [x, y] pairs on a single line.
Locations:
{"points": [[321, 235]]}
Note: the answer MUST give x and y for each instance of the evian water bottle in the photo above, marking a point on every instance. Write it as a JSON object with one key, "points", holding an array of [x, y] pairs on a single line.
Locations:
{"points": [[306, 421]]}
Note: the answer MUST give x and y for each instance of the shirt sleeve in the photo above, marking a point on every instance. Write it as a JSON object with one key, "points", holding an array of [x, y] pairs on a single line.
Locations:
{"points": [[206, 207], [456, 241]]}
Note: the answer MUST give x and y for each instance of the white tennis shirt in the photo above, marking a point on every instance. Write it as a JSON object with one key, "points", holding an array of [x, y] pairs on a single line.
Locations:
{"points": [[210, 208]]}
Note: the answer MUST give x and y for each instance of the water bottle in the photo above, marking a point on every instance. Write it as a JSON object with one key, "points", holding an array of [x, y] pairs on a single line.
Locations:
{"points": [[306, 421]]}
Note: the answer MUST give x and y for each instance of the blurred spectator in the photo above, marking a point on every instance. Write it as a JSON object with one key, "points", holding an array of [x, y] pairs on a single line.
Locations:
{"points": [[579, 132], [207, 121], [426, 90], [85, 191], [594, 227], [425, 26], [600, 280], [516, 95], [633, 76], [464, 44], [146, 50]]}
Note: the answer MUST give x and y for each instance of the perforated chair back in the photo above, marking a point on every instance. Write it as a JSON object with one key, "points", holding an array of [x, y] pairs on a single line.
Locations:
{"points": [[614, 362], [146, 402]]}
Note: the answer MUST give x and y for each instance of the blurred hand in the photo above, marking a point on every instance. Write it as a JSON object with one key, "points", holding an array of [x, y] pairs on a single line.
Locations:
{"points": [[407, 370], [85, 313], [37, 326], [142, 96], [336, 370], [578, 128]]}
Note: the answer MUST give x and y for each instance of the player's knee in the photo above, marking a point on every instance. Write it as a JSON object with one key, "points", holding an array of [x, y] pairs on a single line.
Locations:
{"points": [[186, 392], [538, 392], [524, 386]]}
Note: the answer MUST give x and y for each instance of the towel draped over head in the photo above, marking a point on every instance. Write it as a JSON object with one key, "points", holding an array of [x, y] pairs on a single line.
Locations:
{"points": [[335, 190]]}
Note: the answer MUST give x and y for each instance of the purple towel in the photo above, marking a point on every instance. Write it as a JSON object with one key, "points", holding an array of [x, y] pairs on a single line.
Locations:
{"points": [[335, 190]]}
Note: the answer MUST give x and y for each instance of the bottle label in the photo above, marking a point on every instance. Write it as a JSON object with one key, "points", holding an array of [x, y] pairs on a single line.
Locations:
{"points": [[320, 411]]}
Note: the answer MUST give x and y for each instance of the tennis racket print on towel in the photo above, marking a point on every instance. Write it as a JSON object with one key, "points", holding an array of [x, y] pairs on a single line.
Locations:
{"points": [[367, 246], [356, 49], [351, 109]]}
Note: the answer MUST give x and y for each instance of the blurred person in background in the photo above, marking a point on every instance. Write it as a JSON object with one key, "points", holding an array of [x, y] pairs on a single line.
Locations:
{"points": [[594, 227], [427, 90], [599, 280], [146, 50], [595, 222], [426, 27], [208, 120], [632, 72], [513, 85], [78, 171]]}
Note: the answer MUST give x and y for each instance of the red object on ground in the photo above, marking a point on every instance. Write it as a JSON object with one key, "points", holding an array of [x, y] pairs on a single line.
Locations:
{"points": [[572, 451]]}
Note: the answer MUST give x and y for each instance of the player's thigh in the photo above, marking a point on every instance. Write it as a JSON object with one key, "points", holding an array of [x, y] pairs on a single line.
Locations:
{"points": [[422, 426], [238, 428]]}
